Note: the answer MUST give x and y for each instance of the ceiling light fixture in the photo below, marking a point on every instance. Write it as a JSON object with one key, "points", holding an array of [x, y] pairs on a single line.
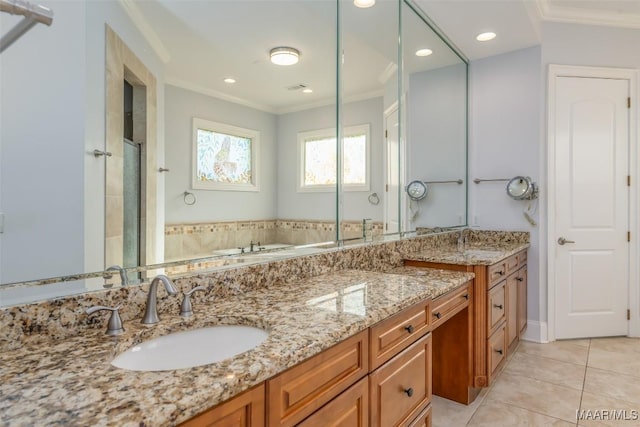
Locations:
{"points": [[229, 80], [485, 37], [363, 4], [423, 52], [284, 55], [307, 90]]}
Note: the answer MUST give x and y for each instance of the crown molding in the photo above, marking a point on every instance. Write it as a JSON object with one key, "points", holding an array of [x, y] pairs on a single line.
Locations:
{"points": [[577, 15], [147, 31]]}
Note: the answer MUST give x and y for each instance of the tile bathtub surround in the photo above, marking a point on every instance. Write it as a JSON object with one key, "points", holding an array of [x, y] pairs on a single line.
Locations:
{"points": [[65, 317], [197, 240], [71, 381]]}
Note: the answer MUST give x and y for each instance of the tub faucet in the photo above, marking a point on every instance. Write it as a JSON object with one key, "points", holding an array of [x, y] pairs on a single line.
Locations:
{"points": [[151, 312], [124, 280]]}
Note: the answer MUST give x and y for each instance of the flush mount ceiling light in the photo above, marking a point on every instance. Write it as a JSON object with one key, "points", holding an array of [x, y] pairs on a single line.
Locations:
{"points": [[307, 90], [229, 80], [485, 37], [363, 4], [423, 52], [284, 55]]}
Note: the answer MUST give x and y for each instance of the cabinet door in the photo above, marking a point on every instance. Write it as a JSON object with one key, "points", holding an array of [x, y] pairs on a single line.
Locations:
{"points": [[496, 306], [350, 409], [423, 420], [512, 309], [401, 388], [522, 300], [245, 410]]}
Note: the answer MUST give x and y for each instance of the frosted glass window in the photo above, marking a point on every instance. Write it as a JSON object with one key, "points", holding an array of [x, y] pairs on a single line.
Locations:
{"points": [[317, 170], [225, 157]]}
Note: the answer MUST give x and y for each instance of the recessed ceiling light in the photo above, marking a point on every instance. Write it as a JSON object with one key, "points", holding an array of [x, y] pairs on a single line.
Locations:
{"points": [[307, 90], [485, 37], [423, 52], [363, 4], [230, 80], [284, 55]]}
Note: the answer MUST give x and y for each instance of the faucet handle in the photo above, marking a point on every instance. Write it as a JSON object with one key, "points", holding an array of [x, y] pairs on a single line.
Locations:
{"points": [[114, 327], [186, 310]]}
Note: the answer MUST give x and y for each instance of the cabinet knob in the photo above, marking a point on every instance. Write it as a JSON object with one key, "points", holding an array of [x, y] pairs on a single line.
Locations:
{"points": [[409, 328], [437, 314], [465, 296], [519, 279], [500, 273], [499, 351], [499, 306], [409, 391]]}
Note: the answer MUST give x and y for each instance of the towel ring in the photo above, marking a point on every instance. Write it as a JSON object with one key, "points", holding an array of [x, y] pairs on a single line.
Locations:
{"points": [[374, 199], [189, 198]]}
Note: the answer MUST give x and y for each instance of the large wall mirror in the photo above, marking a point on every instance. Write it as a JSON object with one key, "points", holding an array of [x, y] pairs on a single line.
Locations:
{"points": [[207, 146]]}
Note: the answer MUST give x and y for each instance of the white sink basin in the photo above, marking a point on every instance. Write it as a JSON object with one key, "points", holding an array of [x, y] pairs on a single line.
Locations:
{"points": [[191, 348]]}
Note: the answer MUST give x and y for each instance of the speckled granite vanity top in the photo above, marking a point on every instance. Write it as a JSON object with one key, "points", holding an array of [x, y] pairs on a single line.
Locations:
{"points": [[71, 381], [474, 254]]}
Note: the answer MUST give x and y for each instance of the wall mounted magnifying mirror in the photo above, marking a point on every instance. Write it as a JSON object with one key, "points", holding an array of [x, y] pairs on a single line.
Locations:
{"points": [[417, 190], [522, 188]]}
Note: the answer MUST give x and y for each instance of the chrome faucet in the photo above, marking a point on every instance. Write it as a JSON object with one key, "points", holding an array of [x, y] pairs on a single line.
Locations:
{"points": [[462, 240], [124, 280], [151, 312]]}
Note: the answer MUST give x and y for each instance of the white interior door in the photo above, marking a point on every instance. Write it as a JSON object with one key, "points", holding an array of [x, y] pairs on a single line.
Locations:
{"points": [[591, 130], [392, 179]]}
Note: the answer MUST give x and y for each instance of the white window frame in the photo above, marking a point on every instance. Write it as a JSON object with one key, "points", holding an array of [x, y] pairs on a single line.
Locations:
{"points": [[224, 128], [331, 133]]}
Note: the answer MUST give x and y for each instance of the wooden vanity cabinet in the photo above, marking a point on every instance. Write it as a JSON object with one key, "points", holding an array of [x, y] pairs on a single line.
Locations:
{"points": [[244, 410], [350, 409], [500, 311], [301, 390]]}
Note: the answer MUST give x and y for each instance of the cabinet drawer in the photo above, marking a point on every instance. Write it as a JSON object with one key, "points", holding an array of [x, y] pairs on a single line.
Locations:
{"points": [[350, 409], [423, 420], [401, 388], [245, 410], [512, 263], [392, 335], [497, 350], [446, 306], [300, 391], [522, 258], [496, 273], [496, 306]]}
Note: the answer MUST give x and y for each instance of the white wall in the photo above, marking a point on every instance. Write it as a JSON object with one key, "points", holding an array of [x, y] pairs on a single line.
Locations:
{"points": [[436, 144], [181, 107], [504, 141]]}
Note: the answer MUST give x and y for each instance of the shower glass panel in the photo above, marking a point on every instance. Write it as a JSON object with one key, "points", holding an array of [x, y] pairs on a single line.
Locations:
{"points": [[131, 208]]}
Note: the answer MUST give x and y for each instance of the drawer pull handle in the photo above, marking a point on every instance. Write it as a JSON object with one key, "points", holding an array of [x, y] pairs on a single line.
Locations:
{"points": [[499, 351], [437, 314], [519, 279], [409, 329], [409, 391], [499, 306], [465, 296]]}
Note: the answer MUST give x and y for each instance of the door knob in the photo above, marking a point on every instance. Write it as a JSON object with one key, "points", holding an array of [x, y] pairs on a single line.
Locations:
{"points": [[562, 241]]}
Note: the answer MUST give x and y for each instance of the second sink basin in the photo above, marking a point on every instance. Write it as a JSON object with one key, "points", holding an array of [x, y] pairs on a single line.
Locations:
{"points": [[191, 348]]}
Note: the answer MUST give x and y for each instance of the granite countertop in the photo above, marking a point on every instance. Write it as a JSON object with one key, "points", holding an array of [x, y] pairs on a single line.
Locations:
{"points": [[473, 254], [71, 382]]}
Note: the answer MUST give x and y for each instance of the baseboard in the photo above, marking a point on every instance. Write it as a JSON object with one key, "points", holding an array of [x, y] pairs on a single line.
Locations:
{"points": [[535, 332]]}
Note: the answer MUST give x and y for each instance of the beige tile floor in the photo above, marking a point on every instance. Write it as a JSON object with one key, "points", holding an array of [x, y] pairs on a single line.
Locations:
{"points": [[547, 384]]}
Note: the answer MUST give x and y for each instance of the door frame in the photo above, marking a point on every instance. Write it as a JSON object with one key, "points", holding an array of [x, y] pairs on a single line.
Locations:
{"points": [[634, 191]]}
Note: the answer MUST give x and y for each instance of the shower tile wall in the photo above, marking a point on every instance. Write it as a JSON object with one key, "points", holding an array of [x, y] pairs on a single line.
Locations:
{"points": [[198, 240]]}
